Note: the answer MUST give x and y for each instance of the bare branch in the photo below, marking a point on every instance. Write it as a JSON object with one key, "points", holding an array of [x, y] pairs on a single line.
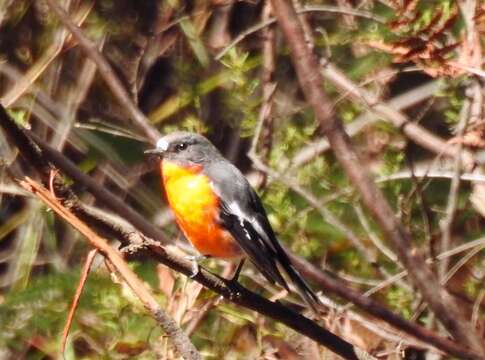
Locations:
{"points": [[166, 256], [303, 10], [412, 130], [306, 66], [447, 222], [227, 288], [107, 73], [70, 317], [179, 339], [398, 103]]}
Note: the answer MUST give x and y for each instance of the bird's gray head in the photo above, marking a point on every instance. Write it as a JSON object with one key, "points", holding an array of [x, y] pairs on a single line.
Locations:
{"points": [[185, 148]]}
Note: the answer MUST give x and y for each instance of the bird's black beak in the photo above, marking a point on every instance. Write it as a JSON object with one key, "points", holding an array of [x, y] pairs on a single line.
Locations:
{"points": [[155, 151]]}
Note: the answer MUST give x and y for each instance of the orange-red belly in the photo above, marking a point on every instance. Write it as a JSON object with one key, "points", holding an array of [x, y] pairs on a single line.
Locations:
{"points": [[196, 208]]}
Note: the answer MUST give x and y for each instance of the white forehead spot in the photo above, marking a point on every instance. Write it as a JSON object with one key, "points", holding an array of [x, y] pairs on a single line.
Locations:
{"points": [[162, 144]]}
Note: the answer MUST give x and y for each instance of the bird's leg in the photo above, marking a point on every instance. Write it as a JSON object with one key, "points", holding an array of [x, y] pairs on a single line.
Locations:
{"points": [[233, 284], [235, 277], [194, 259]]}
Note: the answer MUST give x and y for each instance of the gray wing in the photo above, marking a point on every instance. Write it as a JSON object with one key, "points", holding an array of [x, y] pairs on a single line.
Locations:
{"points": [[243, 215]]}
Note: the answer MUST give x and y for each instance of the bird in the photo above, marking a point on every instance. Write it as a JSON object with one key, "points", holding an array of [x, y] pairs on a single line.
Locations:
{"points": [[220, 213]]}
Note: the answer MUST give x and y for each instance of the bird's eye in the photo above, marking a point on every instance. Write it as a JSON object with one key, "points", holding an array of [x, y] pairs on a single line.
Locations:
{"points": [[181, 146]]}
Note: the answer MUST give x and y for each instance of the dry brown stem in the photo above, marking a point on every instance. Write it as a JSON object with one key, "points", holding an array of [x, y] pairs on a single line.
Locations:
{"points": [[179, 339], [307, 69]]}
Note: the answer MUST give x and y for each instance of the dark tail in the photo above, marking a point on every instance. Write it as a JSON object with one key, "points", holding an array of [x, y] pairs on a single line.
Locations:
{"points": [[307, 294]]}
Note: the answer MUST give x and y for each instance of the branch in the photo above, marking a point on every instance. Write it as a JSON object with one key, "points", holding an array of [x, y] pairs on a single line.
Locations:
{"points": [[107, 72], [179, 339], [169, 258], [446, 223], [77, 296], [412, 130], [398, 103], [303, 10], [102, 195], [228, 289], [335, 285], [307, 70], [387, 111]]}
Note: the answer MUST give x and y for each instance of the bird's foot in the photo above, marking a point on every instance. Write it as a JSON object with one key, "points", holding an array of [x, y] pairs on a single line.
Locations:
{"points": [[233, 284], [234, 290], [237, 272], [235, 294], [194, 259]]}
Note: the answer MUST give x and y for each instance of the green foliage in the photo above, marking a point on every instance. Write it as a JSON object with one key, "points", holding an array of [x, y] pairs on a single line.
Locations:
{"points": [[401, 300], [453, 95], [243, 102], [106, 313], [164, 55], [21, 117]]}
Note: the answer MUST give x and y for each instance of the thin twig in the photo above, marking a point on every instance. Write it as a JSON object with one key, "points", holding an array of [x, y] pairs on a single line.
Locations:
{"points": [[107, 73], [75, 301], [305, 9], [476, 246], [306, 67], [447, 222], [463, 260], [372, 235], [179, 339], [223, 287], [23, 85], [268, 86], [227, 288], [476, 307], [432, 174]]}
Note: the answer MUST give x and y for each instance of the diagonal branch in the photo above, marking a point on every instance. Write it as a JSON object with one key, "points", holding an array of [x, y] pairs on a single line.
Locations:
{"points": [[412, 130], [77, 296], [228, 289], [107, 72], [102, 194], [446, 223], [384, 110], [179, 339], [24, 84], [307, 69], [38, 160]]}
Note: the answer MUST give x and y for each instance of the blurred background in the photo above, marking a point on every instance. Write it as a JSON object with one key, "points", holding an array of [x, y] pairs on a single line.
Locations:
{"points": [[221, 68]]}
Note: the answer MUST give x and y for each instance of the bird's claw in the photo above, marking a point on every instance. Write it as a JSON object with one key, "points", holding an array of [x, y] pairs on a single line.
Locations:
{"points": [[234, 289], [194, 259], [195, 270], [234, 295]]}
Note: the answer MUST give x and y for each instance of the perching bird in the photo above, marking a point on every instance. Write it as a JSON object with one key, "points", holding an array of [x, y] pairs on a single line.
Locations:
{"points": [[219, 212]]}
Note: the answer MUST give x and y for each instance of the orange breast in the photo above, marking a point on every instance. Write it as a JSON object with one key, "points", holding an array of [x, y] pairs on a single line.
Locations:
{"points": [[195, 207]]}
